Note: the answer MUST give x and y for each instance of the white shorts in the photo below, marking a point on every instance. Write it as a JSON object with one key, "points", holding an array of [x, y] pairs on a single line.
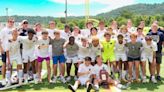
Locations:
{"points": [[28, 56], [93, 58], [83, 80], [122, 57], [81, 59], [146, 57], [18, 60], [72, 59]]}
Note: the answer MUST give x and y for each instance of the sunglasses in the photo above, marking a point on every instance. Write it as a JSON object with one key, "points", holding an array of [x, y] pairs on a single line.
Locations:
{"points": [[11, 21], [25, 23]]}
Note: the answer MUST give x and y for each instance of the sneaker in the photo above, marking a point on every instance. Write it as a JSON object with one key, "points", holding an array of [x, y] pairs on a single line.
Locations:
{"points": [[26, 81], [62, 79], [75, 78], [8, 84], [153, 80], [71, 88], [137, 81], [50, 81], [36, 81], [68, 78], [20, 81], [124, 80], [54, 80], [3, 82], [95, 88], [144, 80], [120, 86], [89, 88], [158, 78]]}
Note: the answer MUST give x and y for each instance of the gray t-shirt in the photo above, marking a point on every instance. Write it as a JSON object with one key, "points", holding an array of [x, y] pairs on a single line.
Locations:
{"points": [[57, 46], [133, 50], [72, 50]]}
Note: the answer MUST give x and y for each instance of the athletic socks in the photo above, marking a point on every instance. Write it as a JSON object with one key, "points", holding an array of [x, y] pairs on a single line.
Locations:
{"points": [[8, 76], [35, 78], [76, 85], [20, 75], [26, 77]]}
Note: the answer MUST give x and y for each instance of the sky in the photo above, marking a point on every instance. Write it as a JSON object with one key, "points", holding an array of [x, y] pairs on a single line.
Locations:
{"points": [[56, 8]]}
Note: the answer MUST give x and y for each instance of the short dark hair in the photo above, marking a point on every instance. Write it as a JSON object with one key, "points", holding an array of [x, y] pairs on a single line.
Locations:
{"points": [[87, 58], [120, 36], [30, 30], [107, 33]]}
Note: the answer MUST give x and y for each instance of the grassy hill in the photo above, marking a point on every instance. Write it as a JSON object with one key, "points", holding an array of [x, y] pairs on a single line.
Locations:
{"points": [[138, 9]]}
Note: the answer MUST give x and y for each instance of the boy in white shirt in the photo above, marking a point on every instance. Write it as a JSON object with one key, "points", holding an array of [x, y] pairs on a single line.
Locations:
{"points": [[84, 72], [84, 50], [5, 34], [43, 54], [13, 54], [28, 54], [101, 30], [121, 58], [95, 49], [97, 75], [148, 54]]}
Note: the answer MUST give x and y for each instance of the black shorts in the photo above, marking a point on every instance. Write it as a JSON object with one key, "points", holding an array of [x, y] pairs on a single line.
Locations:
{"points": [[4, 57], [158, 58], [133, 59]]}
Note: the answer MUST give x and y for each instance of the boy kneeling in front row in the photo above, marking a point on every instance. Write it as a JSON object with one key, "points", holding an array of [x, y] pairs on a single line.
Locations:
{"points": [[84, 73], [101, 76]]}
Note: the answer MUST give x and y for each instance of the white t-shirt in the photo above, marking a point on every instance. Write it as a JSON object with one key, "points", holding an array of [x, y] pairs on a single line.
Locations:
{"points": [[83, 51], [101, 33], [84, 68], [140, 38], [97, 69], [51, 33], [44, 47], [149, 49], [94, 51], [120, 49], [85, 33], [126, 37], [28, 45], [132, 29], [14, 48], [65, 35], [77, 38], [5, 35]]}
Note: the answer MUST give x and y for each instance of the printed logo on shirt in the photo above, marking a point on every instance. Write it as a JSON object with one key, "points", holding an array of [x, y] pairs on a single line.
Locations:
{"points": [[155, 38]]}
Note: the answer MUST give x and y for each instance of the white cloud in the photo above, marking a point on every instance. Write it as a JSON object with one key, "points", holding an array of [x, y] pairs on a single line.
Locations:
{"points": [[113, 4], [108, 4]]}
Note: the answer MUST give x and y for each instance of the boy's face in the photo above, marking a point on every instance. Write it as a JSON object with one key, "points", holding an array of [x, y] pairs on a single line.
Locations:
{"points": [[84, 42], [87, 63], [107, 37], [139, 31], [148, 42], [89, 25], [95, 42], [15, 33], [57, 35], [30, 35], [133, 38], [120, 40], [45, 36], [71, 40], [99, 60]]}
